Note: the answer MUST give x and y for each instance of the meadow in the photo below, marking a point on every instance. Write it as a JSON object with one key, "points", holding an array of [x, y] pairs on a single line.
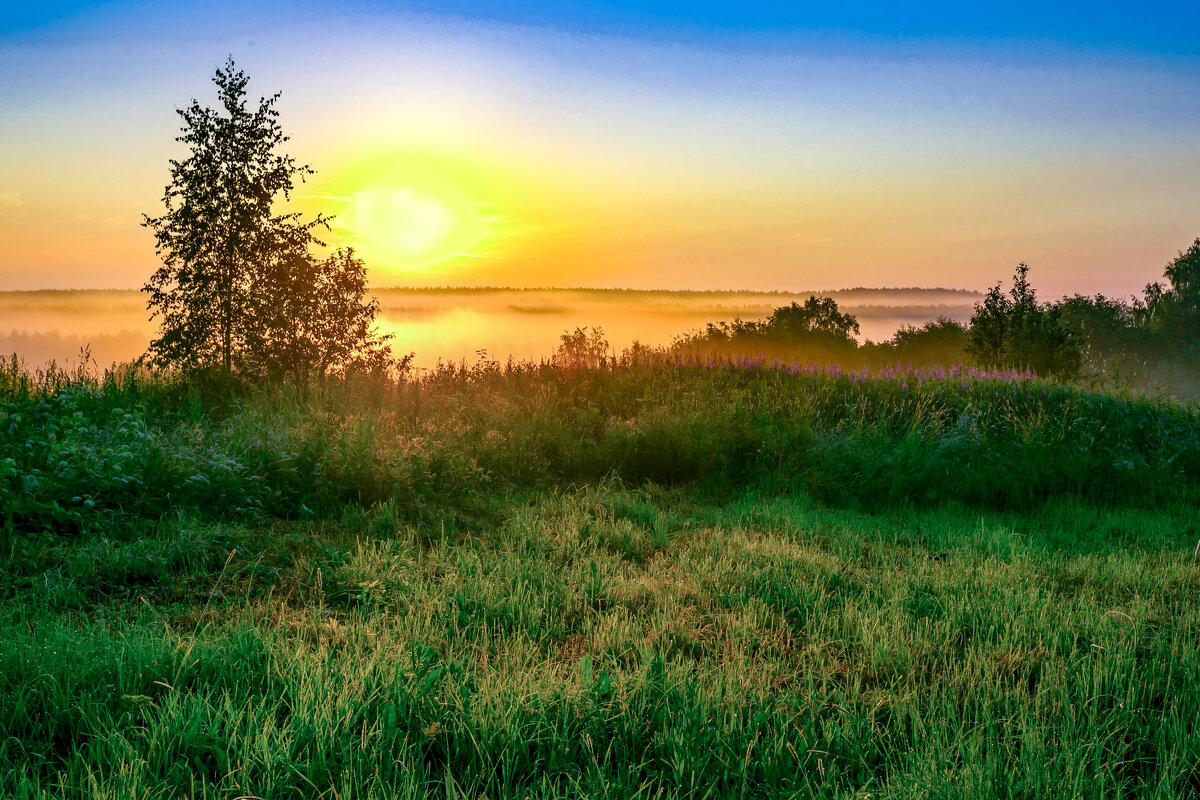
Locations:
{"points": [[658, 578]]}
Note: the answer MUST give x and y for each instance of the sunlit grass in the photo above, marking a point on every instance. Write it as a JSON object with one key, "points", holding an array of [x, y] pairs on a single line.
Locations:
{"points": [[642, 581]]}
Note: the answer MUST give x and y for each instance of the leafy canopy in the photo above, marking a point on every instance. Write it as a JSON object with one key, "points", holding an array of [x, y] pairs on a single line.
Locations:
{"points": [[1174, 309], [238, 290], [1014, 331]]}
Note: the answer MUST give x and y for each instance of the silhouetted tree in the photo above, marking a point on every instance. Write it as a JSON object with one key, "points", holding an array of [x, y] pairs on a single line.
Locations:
{"points": [[1109, 333], [1174, 309], [237, 289], [818, 321], [1015, 331], [312, 320], [816, 330]]}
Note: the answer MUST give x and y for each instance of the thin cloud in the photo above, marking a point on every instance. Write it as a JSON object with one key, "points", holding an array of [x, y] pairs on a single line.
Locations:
{"points": [[11, 200]]}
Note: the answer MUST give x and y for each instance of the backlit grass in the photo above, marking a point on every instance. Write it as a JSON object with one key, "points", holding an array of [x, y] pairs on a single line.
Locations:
{"points": [[633, 582]]}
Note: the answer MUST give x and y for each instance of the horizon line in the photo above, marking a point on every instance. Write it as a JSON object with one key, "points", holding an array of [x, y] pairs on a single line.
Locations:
{"points": [[495, 288]]}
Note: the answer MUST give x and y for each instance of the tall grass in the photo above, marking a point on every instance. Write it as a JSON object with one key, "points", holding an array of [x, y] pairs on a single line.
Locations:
{"points": [[642, 580], [449, 445], [607, 643]]}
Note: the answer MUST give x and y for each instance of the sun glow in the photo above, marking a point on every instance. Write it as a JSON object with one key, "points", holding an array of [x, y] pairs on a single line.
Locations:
{"points": [[406, 213], [400, 223], [420, 214]]}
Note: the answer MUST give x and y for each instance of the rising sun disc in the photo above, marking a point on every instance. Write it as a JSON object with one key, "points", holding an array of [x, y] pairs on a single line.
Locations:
{"points": [[405, 213], [398, 224]]}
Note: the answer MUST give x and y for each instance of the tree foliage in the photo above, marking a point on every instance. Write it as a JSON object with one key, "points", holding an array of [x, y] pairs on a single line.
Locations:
{"points": [[940, 342], [1109, 333], [818, 320], [238, 290], [583, 347], [1014, 331], [815, 330], [1174, 309], [313, 320]]}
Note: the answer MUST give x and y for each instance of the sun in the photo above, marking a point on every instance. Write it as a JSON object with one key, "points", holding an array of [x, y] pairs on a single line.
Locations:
{"points": [[406, 213], [399, 223], [410, 222]]}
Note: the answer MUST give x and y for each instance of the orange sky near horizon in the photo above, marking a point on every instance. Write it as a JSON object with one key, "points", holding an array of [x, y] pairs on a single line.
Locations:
{"points": [[463, 152]]}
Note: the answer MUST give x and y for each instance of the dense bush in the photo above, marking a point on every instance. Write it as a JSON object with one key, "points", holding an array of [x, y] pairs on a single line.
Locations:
{"points": [[815, 332], [1174, 308], [940, 343]]}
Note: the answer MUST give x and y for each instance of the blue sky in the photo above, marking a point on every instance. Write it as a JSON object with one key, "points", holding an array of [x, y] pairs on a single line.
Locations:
{"points": [[1153, 27], [1165, 27]]}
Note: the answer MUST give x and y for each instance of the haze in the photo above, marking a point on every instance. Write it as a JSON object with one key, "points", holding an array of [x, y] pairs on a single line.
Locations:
{"points": [[460, 324]]}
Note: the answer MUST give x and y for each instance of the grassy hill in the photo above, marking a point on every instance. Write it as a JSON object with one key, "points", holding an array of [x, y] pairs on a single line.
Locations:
{"points": [[648, 580]]}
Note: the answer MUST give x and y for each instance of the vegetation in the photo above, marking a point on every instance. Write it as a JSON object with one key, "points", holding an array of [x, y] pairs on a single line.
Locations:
{"points": [[680, 572], [1017, 332], [238, 290], [1174, 309], [583, 347], [648, 579], [817, 329], [1105, 331], [940, 343], [1147, 344]]}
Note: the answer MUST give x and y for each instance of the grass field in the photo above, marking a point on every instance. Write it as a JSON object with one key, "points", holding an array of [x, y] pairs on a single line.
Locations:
{"points": [[667, 580]]}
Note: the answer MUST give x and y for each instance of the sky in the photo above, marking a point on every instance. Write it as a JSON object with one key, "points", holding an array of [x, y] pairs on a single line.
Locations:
{"points": [[646, 145]]}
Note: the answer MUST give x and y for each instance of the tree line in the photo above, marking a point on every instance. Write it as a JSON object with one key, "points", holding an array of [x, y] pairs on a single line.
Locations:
{"points": [[1153, 337]]}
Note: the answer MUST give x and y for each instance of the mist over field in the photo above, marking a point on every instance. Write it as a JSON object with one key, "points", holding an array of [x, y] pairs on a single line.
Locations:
{"points": [[451, 324]]}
